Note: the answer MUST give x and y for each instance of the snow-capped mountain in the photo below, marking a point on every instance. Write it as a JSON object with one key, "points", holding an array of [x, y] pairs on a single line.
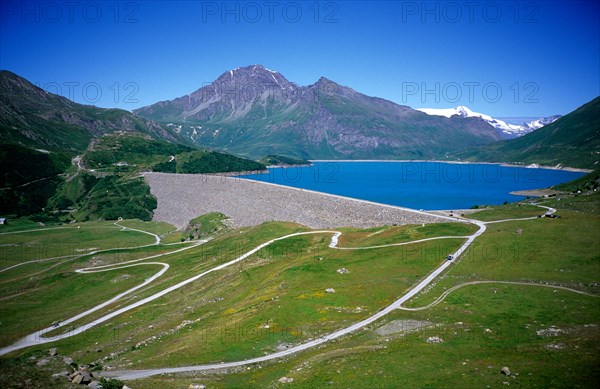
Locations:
{"points": [[506, 129], [539, 123]]}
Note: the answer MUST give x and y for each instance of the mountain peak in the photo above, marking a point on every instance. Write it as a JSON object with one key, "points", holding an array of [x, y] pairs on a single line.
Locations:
{"points": [[329, 85], [463, 111], [8, 73], [13, 85], [251, 73], [261, 67], [255, 111], [325, 80], [256, 68]]}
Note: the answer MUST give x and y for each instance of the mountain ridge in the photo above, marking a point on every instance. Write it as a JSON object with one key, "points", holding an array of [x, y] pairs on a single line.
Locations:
{"points": [[254, 111], [572, 140], [31, 116]]}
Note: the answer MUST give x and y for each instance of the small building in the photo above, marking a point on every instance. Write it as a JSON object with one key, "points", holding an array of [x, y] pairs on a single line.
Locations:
{"points": [[121, 164]]}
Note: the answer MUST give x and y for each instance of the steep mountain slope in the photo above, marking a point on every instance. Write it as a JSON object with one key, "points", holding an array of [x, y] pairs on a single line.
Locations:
{"points": [[39, 134], [255, 111], [134, 152], [31, 116], [507, 130], [281, 160], [103, 183], [28, 178], [573, 140]]}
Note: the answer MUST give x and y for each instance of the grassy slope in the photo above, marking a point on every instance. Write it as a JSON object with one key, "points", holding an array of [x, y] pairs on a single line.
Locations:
{"points": [[573, 140], [282, 160], [579, 204], [387, 234], [271, 287], [36, 294], [107, 191], [284, 288], [471, 356], [589, 182], [109, 197], [214, 162], [138, 150], [29, 178], [65, 241], [159, 228], [143, 153], [36, 118], [207, 225], [508, 211], [564, 251]]}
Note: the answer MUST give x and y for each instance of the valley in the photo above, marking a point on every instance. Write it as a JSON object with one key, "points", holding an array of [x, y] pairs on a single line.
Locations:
{"points": [[336, 194], [133, 254], [249, 295]]}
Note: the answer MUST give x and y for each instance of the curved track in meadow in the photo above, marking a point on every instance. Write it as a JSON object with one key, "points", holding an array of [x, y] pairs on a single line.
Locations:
{"points": [[71, 257], [136, 374], [470, 283], [38, 338]]}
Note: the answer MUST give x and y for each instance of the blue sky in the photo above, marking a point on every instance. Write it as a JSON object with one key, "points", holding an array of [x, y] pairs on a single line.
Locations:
{"points": [[513, 58]]}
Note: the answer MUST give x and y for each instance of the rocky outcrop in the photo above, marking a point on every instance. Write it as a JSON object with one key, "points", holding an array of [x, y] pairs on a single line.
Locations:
{"points": [[434, 339], [83, 376]]}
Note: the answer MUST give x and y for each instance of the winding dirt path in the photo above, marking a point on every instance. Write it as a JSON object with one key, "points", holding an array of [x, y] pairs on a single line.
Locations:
{"points": [[37, 337], [459, 286], [75, 256]]}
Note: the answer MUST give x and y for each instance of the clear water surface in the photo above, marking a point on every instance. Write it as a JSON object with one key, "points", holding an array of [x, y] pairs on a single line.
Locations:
{"points": [[418, 185]]}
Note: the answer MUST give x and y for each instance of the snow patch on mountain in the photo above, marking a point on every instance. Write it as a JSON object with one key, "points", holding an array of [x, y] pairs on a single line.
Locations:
{"points": [[506, 129]]}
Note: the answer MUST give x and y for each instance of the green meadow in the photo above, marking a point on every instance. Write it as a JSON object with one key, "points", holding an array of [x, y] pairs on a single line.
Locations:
{"points": [[277, 298]]}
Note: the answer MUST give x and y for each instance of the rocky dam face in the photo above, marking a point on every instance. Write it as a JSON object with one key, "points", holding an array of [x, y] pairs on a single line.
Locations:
{"points": [[182, 197]]}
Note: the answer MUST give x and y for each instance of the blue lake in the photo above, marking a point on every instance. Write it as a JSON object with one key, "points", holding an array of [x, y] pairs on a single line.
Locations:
{"points": [[419, 185]]}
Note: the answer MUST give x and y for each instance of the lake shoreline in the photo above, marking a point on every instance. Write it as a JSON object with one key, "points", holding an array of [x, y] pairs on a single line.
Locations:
{"points": [[536, 192], [506, 164], [421, 185]]}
